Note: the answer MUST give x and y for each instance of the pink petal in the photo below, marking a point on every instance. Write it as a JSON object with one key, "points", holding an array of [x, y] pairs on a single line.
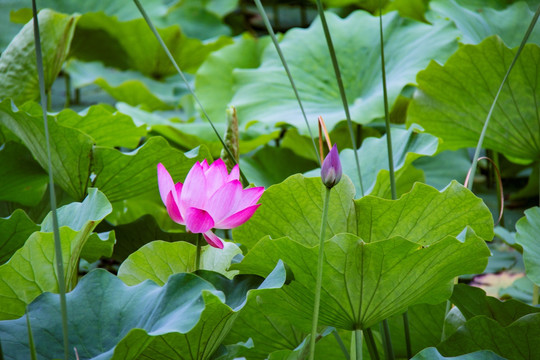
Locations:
{"points": [[204, 165], [225, 200], [235, 174], [165, 183], [216, 176], [198, 220], [173, 210], [213, 240], [238, 218], [194, 190], [250, 196]]}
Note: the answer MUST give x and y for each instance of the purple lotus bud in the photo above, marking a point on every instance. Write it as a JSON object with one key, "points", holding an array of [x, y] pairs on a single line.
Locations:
{"points": [[331, 168]]}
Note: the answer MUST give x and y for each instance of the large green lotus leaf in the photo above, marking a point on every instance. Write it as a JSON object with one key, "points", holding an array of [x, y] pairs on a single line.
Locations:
{"points": [[265, 93], [132, 45], [294, 208], [405, 179], [18, 72], [476, 25], [473, 301], [453, 100], [158, 260], [407, 146], [433, 354], [425, 328], [271, 165], [128, 86], [192, 134], [71, 149], [14, 230], [122, 175], [23, 180], [364, 283], [78, 164], [269, 332], [214, 81], [107, 127], [424, 215], [31, 270], [187, 318], [527, 230], [517, 341]]}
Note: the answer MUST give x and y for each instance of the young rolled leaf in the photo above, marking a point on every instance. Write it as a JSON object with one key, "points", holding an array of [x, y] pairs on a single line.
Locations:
{"points": [[433, 354], [188, 316]]}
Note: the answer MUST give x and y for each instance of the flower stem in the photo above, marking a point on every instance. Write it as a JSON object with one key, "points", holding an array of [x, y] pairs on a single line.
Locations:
{"points": [[319, 277], [56, 229], [407, 334], [370, 342], [358, 342], [198, 253]]}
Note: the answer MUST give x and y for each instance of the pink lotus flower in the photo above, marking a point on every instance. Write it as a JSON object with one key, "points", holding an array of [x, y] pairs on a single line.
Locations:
{"points": [[209, 198]]}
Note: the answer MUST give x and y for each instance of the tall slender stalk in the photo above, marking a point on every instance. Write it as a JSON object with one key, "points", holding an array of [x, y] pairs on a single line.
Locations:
{"points": [[358, 343], [175, 64], [56, 233], [318, 285], [286, 67], [31, 343], [387, 340], [198, 253], [341, 344], [342, 93], [536, 289], [370, 342], [486, 123]]}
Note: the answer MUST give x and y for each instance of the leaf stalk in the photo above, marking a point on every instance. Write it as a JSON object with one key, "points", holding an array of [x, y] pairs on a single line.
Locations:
{"points": [[56, 233]]}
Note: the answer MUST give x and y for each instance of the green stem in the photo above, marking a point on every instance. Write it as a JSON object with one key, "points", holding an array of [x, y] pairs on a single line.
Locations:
{"points": [[484, 129], [56, 234], [319, 277], [370, 343], [342, 93], [407, 334], [175, 64], [358, 343], [286, 67], [387, 340], [535, 295], [31, 343], [67, 81], [341, 344], [198, 253]]}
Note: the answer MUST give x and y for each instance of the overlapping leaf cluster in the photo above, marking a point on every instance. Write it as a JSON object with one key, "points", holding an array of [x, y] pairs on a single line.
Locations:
{"points": [[124, 109]]}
